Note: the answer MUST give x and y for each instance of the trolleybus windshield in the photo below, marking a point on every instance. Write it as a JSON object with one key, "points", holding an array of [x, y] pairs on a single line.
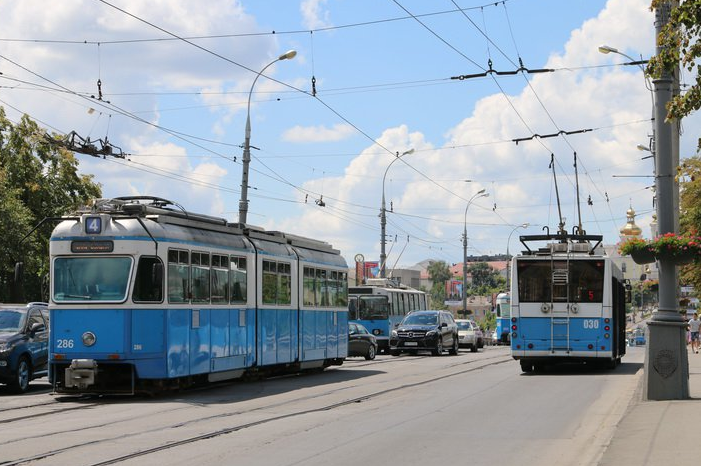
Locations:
{"points": [[373, 308], [553, 281], [91, 278]]}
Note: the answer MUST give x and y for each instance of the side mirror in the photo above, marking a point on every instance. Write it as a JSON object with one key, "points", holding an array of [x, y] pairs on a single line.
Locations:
{"points": [[36, 328], [444, 324]]}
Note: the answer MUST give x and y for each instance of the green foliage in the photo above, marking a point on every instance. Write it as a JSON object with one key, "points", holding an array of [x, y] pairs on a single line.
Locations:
{"points": [[37, 180], [439, 272], [680, 46], [485, 280], [689, 176]]}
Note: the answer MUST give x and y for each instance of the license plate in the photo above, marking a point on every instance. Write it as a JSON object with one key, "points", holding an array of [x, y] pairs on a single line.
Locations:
{"points": [[411, 343]]}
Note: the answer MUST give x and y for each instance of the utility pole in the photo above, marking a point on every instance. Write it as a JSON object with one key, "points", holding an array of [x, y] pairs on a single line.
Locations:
{"points": [[666, 358]]}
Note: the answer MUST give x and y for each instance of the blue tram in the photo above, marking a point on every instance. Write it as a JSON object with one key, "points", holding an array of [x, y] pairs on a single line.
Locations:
{"points": [[567, 304], [146, 296]]}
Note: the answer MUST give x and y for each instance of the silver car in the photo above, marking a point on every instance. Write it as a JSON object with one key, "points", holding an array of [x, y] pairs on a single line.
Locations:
{"points": [[469, 334]]}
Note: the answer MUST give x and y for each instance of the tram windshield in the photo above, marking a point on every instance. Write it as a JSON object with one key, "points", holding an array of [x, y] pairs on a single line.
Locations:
{"points": [[553, 281], [373, 308], [91, 278]]}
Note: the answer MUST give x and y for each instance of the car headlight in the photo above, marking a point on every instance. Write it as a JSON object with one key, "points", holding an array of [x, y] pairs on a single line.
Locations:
{"points": [[6, 346], [431, 333], [394, 333]]}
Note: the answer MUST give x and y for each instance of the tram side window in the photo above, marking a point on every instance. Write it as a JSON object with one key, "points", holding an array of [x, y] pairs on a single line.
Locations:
{"points": [[333, 288], [277, 283], [200, 277], [148, 285], [178, 275], [322, 292], [220, 285], [342, 295], [284, 295], [308, 287], [237, 279]]}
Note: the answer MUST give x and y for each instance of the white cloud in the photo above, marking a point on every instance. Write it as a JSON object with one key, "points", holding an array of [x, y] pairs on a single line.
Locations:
{"points": [[299, 134], [313, 14]]}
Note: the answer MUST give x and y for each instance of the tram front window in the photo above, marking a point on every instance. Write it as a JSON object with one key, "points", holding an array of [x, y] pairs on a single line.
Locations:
{"points": [[373, 308], [91, 278]]}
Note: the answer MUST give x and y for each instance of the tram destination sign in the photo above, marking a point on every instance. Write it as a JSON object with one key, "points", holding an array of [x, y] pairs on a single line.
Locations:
{"points": [[79, 247]]}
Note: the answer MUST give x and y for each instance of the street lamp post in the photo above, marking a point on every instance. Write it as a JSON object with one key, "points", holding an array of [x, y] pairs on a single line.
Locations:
{"points": [[508, 257], [383, 215], [243, 203], [480, 193]]}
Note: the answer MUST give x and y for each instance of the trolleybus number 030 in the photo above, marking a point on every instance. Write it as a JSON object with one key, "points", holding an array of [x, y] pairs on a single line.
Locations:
{"points": [[64, 343], [591, 323]]}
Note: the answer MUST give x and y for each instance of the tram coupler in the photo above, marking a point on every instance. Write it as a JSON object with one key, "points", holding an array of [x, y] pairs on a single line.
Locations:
{"points": [[81, 373]]}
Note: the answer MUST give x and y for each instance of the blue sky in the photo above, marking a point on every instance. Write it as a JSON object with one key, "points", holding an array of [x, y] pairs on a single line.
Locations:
{"points": [[177, 74]]}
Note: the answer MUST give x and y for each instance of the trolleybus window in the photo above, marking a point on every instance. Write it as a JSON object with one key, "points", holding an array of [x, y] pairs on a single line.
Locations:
{"points": [[178, 276], [545, 281], [237, 279], [147, 286], [91, 278]]}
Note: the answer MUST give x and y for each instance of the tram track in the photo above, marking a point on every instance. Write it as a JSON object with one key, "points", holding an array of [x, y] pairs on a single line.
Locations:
{"points": [[473, 365]]}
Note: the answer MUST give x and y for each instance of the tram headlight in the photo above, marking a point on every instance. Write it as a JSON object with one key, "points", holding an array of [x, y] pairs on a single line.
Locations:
{"points": [[89, 338]]}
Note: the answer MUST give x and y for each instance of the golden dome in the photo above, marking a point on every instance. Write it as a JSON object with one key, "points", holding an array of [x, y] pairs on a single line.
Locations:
{"points": [[630, 228]]}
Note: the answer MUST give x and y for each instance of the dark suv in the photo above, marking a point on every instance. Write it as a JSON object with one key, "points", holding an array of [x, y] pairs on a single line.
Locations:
{"points": [[24, 344], [425, 330]]}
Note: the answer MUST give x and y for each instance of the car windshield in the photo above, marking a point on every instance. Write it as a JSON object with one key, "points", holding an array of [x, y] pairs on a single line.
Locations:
{"points": [[421, 319], [11, 321], [463, 326]]}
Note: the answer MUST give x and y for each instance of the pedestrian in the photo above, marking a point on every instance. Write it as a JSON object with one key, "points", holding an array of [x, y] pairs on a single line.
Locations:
{"points": [[694, 325]]}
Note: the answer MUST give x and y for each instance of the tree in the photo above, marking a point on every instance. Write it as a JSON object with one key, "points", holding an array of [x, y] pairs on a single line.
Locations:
{"points": [[680, 43], [485, 280], [38, 179], [439, 273], [689, 176]]}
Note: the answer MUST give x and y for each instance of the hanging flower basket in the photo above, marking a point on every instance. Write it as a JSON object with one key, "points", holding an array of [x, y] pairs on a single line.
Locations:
{"points": [[678, 249], [643, 256]]}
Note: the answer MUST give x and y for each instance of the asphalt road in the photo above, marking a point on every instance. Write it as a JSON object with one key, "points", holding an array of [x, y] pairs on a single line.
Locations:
{"points": [[474, 408]]}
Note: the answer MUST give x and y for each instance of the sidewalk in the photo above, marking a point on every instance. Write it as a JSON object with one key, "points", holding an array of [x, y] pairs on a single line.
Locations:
{"points": [[660, 433]]}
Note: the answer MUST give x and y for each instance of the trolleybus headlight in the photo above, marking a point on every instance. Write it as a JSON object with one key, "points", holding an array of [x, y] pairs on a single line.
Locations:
{"points": [[89, 339]]}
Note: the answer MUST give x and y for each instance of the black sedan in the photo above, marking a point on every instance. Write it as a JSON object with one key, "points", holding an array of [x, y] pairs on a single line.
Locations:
{"points": [[361, 342], [24, 349]]}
